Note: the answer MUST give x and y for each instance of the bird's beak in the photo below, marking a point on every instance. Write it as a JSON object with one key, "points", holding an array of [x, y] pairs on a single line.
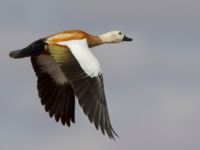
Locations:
{"points": [[127, 39]]}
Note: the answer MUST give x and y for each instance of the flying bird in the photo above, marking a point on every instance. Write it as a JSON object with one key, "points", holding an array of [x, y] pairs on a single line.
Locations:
{"points": [[65, 69]]}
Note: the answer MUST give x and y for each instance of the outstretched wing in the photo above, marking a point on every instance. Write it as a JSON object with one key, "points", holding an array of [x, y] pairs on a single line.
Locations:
{"points": [[54, 90], [84, 74]]}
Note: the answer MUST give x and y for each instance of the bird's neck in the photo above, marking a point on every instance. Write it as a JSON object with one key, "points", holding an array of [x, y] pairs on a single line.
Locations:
{"points": [[94, 41], [105, 38]]}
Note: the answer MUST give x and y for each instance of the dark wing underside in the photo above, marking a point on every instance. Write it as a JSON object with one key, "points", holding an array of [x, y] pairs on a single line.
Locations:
{"points": [[89, 90], [58, 99]]}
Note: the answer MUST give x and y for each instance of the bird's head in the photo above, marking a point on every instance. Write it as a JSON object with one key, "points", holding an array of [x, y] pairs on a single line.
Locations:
{"points": [[114, 37]]}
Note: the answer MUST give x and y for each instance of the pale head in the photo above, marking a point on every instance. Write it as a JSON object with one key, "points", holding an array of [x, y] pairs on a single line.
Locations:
{"points": [[114, 37]]}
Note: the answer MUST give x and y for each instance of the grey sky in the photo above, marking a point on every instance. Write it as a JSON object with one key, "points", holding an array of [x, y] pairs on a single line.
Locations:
{"points": [[152, 84]]}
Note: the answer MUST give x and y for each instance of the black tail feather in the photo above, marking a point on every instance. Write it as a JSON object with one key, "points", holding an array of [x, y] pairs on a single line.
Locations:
{"points": [[15, 54], [32, 50]]}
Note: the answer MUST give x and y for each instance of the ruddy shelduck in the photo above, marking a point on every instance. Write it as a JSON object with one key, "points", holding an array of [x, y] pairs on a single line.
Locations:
{"points": [[65, 68]]}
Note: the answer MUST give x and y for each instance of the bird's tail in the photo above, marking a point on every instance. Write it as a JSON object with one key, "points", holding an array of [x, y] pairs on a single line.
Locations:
{"points": [[17, 54], [32, 50]]}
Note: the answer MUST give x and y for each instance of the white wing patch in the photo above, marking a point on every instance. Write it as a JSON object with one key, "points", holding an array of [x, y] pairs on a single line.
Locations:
{"points": [[49, 66], [83, 55]]}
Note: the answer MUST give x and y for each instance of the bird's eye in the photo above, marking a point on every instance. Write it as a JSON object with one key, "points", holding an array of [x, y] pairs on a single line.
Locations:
{"points": [[120, 33]]}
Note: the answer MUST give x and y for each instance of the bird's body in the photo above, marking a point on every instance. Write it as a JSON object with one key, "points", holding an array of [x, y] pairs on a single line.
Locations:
{"points": [[65, 68]]}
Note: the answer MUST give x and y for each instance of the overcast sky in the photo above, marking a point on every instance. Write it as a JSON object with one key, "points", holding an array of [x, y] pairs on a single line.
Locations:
{"points": [[152, 84]]}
